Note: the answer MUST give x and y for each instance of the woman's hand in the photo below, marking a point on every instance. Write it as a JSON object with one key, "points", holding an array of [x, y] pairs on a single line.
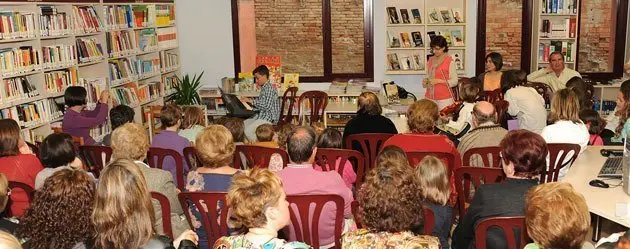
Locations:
{"points": [[189, 235], [435, 81], [104, 97]]}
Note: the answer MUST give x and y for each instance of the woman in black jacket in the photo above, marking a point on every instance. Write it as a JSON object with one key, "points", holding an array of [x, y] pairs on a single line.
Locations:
{"points": [[368, 119]]}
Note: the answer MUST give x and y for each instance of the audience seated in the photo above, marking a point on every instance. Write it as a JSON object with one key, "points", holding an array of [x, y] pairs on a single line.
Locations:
{"points": [[130, 141], [236, 127], [61, 211], [215, 149], [119, 115], [77, 121], [169, 139], [8, 241], [492, 78], [318, 128], [331, 138], [6, 224], [556, 217], [525, 102], [524, 157], [17, 163], [369, 112], [461, 123], [433, 186], [123, 213], [283, 135], [623, 114], [594, 124], [578, 86], [56, 153], [299, 178], [556, 74], [192, 123], [265, 136], [485, 133], [388, 206], [258, 202], [566, 126]]}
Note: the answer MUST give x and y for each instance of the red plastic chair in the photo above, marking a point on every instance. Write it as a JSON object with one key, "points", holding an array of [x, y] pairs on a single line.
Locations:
{"points": [[559, 158], [166, 213], [307, 230], [371, 144], [258, 156], [465, 177], [486, 154], [327, 158], [317, 101], [289, 95], [213, 218], [191, 158], [415, 157], [508, 225], [543, 89], [99, 156], [493, 96], [156, 157], [30, 194], [354, 207], [501, 107]]}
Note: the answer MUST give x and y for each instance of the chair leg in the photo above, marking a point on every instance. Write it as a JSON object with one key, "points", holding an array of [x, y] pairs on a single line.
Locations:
{"points": [[597, 227]]}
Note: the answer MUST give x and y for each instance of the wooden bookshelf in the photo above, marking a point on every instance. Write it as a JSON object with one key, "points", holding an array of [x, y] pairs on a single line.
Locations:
{"points": [[416, 52], [60, 32], [555, 27]]}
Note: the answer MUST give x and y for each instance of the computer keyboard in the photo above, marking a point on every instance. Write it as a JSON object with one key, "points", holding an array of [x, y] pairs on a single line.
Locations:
{"points": [[612, 167]]}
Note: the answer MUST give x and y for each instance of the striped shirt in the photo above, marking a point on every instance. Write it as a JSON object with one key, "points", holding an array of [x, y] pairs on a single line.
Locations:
{"points": [[267, 104]]}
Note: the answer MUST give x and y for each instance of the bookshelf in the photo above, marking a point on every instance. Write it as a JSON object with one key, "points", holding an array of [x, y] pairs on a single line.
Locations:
{"points": [[555, 29], [127, 47], [409, 25]]}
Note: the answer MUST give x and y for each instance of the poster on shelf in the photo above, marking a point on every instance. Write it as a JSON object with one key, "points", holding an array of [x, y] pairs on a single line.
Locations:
{"points": [[275, 69]]}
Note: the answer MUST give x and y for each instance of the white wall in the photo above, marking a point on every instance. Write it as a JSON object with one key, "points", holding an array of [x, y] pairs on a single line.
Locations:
{"points": [[205, 39]]}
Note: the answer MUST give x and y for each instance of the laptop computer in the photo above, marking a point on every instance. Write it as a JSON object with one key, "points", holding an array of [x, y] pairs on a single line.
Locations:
{"points": [[613, 167]]}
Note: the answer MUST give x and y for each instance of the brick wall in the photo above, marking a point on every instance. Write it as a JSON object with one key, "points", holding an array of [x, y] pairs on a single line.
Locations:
{"points": [[596, 36], [504, 30], [347, 36]]}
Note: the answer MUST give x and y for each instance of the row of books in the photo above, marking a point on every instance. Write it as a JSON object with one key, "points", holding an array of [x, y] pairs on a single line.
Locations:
{"points": [[144, 15], [147, 40], [121, 70], [52, 22], [169, 59], [61, 55], [167, 37], [101, 130], [16, 24], [147, 67], [150, 91], [19, 60], [559, 6], [34, 113], [121, 43], [125, 95], [118, 17], [565, 47], [89, 50], [559, 28], [165, 15], [18, 88], [400, 61], [58, 81], [94, 87], [86, 19], [439, 15], [453, 37], [169, 84]]}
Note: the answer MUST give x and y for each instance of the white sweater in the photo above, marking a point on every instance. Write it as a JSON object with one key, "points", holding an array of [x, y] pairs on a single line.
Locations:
{"points": [[528, 106], [564, 131]]}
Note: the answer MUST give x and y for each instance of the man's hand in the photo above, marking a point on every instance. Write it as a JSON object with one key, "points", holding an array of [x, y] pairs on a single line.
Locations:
{"points": [[104, 97], [247, 99]]}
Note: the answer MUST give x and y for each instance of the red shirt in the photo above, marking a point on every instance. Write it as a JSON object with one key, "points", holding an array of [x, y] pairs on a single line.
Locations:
{"points": [[440, 91], [20, 168]]}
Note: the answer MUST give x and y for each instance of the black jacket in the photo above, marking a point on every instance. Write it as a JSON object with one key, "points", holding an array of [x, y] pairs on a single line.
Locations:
{"points": [[366, 123]]}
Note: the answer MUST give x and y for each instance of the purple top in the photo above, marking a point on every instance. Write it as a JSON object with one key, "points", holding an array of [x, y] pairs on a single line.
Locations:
{"points": [[171, 140], [79, 124]]}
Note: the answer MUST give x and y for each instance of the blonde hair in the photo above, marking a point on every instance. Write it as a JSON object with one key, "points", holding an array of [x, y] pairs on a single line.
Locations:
{"points": [[130, 141], [193, 115], [4, 191], [250, 194], [283, 135], [8, 241], [368, 103], [391, 155], [123, 212], [264, 133], [565, 106], [421, 116], [215, 146], [433, 180], [318, 128], [556, 216]]}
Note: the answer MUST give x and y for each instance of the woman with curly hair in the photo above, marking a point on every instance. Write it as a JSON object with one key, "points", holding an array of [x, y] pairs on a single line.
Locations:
{"points": [[59, 216], [389, 206], [623, 112]]}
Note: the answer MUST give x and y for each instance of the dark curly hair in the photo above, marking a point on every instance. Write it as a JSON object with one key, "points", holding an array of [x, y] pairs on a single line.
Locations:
{"points": [[388, 200], [60, 214]]}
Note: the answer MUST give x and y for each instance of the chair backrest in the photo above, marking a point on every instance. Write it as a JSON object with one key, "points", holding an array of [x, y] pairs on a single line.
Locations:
{"points": [[354, 207], [370, 144], [468, 177], [191, 158], [212, 208], [543, 89], [156, 156], [257, 156], [448, 159], [317, 101], [490, 157], [289, 95], [327, 158], [30, 193], [493, 96], [78, 142], [166, 213], [501, 107], [511, 226], [96, 156], [560, 155], [34, 148], [304, 206]]}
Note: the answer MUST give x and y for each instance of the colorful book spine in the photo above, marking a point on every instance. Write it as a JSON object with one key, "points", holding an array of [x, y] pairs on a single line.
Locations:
{"points": [[52, 22], [58, 81]]}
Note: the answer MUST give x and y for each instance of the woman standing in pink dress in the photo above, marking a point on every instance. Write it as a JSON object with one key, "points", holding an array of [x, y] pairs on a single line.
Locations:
{"points": [[442, 74]]}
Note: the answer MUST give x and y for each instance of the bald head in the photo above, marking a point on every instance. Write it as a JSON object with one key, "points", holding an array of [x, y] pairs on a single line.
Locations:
{"points": [[484, 112], [301, 144]]}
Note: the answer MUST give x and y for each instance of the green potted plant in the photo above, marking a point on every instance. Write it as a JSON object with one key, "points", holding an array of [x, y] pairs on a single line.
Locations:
{"points": [[186, 90]]}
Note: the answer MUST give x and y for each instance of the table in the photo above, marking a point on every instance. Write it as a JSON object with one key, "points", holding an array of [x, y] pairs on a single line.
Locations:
{"points": [[601, 201], [338, 113]]}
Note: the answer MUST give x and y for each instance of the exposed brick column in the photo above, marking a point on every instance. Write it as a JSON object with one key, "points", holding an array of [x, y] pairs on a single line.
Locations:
{"points": [[504, 24]]}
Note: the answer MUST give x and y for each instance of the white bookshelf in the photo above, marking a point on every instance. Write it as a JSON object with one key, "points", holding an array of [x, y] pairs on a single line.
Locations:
{"points": [[557, 35], [425, 8]]}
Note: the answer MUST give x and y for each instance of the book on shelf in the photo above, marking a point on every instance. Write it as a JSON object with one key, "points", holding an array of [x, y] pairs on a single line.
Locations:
{"points": [[18, 88], [58, 81], [89, 50], [100, 130], [19, 60], [16, 25], [431, 35], [169, 84], [404, 15], [417, 38], [121, 70], [53, 22], [458, 15], [94, 88], [147, 40], [274, 65], [118, 17], [417, 18], [86, 20], [446, 15], [144, 15], [120, 43], [458, 59], [393, 64], [409, 62], [405, 39], [434, 17], [546, 48], [33, 113], [245, 82], [394, 40], [165, 15], [291, 80], [125, 95], [61, 55], [337, 87], [169, 59], [147, 66], [393, 15], [558, 28], [562, 7], [167, 37], [149, 91], [447, 36], [457, 38]]}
